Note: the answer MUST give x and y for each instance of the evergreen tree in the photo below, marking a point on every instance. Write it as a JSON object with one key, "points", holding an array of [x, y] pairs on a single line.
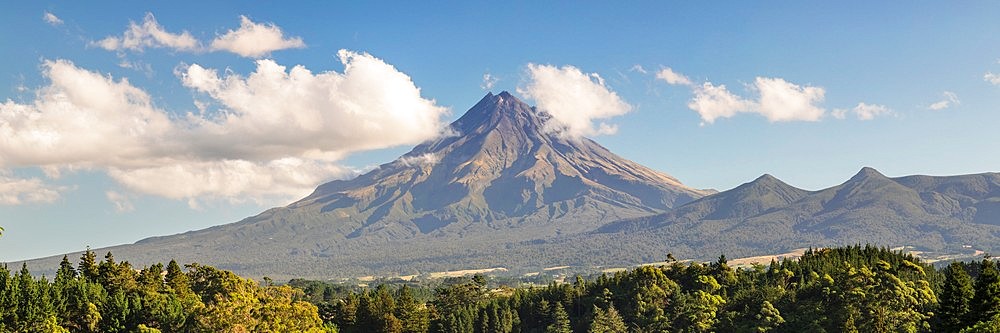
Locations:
{"points": [[607, 321], [411, 313], [176, 279], [88, 266], [956, 294], [560, 320], [986, 300], [66, 271], [28, 310]]}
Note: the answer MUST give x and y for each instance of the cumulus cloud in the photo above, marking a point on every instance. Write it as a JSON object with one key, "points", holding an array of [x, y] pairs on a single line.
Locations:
{"points": [[574, 99], [781, 100], [949, 99], [255, 40], [82, 118], [275, 111], [52, 19], [149, 34], [778, 101], [713, 102], [992, 78], [489, 81], [863, 111], [16, 191], [276, 135], [674, 78]]}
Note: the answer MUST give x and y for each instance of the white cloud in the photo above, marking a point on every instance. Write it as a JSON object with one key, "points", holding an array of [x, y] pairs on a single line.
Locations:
{"points": [[713, 102], [275, 111], [427, 159], [863, 111], [82, 118], [280, 133], [16, 191], [950, 99], [778, 101], [149, 34], [489, 81], [122, 203], [574, 99], [781, 100], [255, 39], [992, 78], [232, 180], [870, 111], [674, 78], [52, 19]]}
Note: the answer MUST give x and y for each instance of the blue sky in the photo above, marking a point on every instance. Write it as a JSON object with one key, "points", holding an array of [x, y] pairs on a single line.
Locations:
{"points": [[110, 136]]}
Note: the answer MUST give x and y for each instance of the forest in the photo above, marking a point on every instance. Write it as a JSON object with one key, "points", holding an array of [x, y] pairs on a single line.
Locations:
{"points": [[848, 289]]}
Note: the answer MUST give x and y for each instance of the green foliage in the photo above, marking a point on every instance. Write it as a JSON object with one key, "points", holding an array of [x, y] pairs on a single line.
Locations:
{"points": [[986, 300], [852, 289], [113, 297], [607, 321], [955, 297]]}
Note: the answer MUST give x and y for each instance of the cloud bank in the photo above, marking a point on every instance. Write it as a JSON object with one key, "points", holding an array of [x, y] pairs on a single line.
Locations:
{"points": [[274, 134], [574, 99]]}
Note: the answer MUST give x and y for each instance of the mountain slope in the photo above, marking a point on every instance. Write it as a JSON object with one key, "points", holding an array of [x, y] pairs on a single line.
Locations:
{"points": [[498, 184]]}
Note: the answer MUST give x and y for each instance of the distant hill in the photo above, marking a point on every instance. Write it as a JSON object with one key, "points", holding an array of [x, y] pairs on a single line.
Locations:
{"points": [[769, 216]]}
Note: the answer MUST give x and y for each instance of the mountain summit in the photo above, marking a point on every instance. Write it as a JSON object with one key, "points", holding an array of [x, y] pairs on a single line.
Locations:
{"points": [[499, 180], [498, 164]]}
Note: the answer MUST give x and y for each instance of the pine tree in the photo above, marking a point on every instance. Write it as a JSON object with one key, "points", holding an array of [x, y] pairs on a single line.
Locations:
{"points": [[956, 294], [176, 279], [66, 271], [88, 266], [986, 301], [560, 320], [410, 312], [28, 311], [607, 321]]}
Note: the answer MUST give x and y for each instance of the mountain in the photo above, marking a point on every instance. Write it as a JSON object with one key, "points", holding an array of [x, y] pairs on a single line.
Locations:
{"points": [[493, 192], [501, 190], [769, 216]]}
